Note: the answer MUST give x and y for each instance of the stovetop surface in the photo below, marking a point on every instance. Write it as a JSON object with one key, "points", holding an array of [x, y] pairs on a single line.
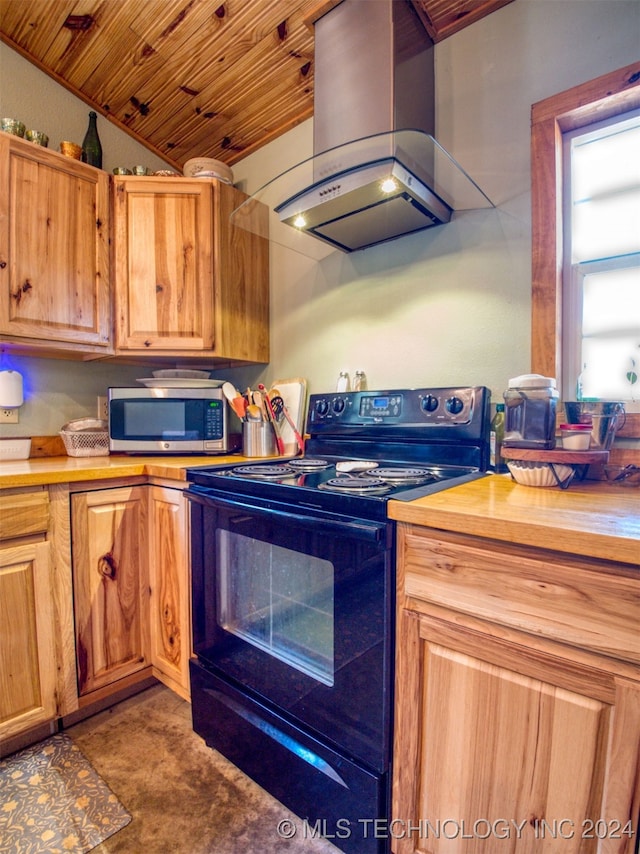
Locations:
{"points": [[354, 493], [365, 448]]}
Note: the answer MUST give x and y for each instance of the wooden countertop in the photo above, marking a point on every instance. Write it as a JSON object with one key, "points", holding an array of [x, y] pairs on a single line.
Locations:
{"points": [[590, 518], [39, 471]]}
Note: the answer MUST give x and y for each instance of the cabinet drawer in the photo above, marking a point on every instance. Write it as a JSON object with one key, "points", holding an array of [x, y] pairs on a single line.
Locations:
{"points": [[540, 592], [24, 514]]}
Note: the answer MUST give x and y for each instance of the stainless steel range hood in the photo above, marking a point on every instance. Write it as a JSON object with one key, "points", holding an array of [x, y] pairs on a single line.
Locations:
{"points": [[377, 172]]}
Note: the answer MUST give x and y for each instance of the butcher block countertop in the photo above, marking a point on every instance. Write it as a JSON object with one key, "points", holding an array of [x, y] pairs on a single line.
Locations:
{"points": [[591, 518], [41, 471]]}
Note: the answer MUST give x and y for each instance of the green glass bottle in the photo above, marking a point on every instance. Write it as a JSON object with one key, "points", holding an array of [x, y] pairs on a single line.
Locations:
{"points": [[496, 437], [91, 147]]}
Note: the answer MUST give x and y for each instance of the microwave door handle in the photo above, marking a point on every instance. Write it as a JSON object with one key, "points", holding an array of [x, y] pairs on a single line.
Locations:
{"points": [[362, 530]]}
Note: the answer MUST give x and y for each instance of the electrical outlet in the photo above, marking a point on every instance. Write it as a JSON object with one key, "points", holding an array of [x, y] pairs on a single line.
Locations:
{"points": [[9, 416], [102, 407]]}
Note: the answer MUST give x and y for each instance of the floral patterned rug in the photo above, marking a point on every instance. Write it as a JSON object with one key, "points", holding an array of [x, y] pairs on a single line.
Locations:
{"points": [[53, 802]]}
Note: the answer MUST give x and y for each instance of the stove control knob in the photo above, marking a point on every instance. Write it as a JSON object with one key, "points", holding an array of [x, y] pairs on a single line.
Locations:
{"points": [[338, 405], [429, 403], [454, 405], [322, 407]]}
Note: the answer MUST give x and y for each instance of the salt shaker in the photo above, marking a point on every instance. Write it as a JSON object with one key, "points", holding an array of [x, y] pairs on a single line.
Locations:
{"points": [[343, 381], [360, 381]]}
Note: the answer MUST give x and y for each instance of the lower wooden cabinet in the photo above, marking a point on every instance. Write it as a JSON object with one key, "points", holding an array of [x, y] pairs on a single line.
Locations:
{"points": [[27, 633], [30, 624], [130, 557], [169, 607], [508, 740], [111, 587]]}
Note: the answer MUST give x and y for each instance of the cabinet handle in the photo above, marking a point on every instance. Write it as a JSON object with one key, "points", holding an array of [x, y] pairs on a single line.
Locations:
{"points": [[3, 264], [107, 566]]}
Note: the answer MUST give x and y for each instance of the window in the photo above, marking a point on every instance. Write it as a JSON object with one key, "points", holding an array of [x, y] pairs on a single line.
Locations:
{"points": [[601, 269], [598, 100]]}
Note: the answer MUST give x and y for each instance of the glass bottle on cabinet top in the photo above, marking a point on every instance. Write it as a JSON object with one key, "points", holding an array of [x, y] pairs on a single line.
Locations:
{"points": [[91, 146]]}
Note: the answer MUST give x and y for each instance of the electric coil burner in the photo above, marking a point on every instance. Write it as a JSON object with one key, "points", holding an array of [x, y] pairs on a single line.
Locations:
{"points": [[293, 568]]}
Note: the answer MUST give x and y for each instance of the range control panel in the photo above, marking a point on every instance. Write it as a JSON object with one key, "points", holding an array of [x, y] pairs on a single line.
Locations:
{"points": [[409, 407]]}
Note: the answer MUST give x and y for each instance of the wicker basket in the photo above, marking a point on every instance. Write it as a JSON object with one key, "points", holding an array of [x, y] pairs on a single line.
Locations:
{"points": [[86, 437]]}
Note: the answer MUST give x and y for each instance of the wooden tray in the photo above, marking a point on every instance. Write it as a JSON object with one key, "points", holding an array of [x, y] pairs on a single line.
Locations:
{"points": [[557, 455]]}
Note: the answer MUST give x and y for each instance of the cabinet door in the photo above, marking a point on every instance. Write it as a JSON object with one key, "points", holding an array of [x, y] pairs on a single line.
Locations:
{"points": [[109, 548], [54, 249], [163, 265], [27, 638], [169, 588], [504, 748]]}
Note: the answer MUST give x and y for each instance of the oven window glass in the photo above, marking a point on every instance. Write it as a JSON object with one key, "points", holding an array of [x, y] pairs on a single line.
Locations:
{"points": [[279, 600]]}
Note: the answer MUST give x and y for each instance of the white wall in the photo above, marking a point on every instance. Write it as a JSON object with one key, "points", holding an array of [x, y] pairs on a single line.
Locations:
{"points": [[452, 304], [448, 305]]}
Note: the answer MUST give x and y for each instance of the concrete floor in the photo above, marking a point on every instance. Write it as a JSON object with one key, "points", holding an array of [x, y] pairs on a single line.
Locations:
{"points": [[184, 798]]}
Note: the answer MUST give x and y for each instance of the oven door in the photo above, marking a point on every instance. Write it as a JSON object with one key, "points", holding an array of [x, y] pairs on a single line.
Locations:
{"points": [[294, 608]]}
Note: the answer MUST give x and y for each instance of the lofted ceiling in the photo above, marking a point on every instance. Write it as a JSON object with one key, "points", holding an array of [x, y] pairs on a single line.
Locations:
{"points": [[188, 78]]}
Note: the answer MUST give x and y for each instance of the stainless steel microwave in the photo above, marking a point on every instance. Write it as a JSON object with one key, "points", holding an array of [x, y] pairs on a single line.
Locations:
{"points": [[171, 421]]}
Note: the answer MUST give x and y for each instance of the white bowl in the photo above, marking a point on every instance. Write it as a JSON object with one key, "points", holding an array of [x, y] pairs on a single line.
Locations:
{"points": [[207, 167], [539, 474]]}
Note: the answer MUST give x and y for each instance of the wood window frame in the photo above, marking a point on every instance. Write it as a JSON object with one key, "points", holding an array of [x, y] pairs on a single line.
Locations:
{"points": [[603, 98]]}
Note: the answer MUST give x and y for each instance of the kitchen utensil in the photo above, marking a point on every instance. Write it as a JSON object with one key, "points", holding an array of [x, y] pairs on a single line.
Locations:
{"points": [[279, 407], [356, 465], [258, 439], [235, 399], [254, 413], [605, 417], [294, 393], [272, 419], [628, 475], [258, 399]]}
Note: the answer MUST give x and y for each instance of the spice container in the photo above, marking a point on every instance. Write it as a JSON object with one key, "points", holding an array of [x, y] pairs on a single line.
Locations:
{"points": [[530, 402], [343, 383], [575, 437], [360, 381]]}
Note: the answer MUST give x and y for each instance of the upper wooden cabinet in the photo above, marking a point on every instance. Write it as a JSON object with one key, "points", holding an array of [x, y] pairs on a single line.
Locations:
{"points": [[187, 282], [54, 252]]}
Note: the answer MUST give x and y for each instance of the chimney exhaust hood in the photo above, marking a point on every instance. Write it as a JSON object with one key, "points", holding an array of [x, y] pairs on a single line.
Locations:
{"points": [[377, 172]]}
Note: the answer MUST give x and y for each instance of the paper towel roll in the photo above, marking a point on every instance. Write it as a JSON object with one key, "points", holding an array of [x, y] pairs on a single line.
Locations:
{"points": [[11, 394]]}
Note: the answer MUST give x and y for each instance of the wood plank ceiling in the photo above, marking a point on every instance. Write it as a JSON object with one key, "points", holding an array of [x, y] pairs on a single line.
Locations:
{"points": [[193, 78]]}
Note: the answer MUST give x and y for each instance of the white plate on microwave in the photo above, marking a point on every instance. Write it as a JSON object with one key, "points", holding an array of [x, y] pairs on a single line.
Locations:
{"points": [[178, 382]]}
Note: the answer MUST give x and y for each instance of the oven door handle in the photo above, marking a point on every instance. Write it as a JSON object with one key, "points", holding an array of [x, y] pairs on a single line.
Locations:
{"points": [[373, 532]]}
